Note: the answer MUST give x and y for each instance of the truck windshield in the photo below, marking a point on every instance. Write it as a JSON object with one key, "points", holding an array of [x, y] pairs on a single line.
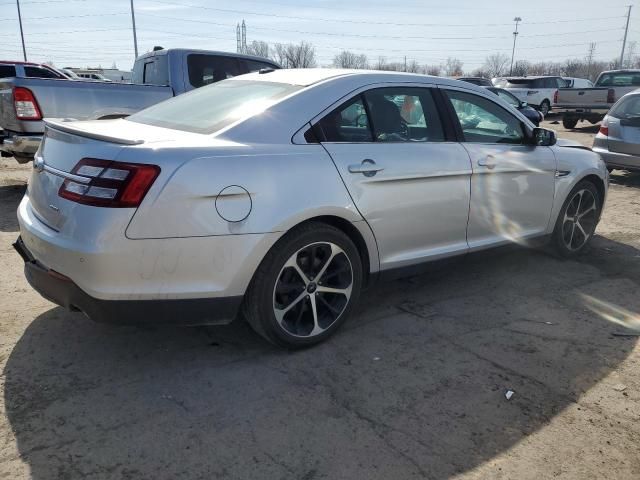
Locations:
{"points": [[621, 79], [211, 108]]}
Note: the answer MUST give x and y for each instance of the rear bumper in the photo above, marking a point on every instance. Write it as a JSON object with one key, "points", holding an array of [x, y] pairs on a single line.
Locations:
{"points": [[581, 111], [25, 145], [622, 160], [63, 291]]}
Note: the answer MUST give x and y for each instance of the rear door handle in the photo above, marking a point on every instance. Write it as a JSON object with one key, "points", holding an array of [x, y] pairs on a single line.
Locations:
{"points": [[489, 162], [368, 168]]}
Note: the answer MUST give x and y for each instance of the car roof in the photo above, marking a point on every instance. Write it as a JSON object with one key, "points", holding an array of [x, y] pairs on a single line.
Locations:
{"points": [[14, 62], [533, 77], [309, 76]]}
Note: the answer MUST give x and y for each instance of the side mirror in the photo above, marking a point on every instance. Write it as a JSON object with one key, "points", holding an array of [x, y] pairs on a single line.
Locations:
{"points": [[544, 137]]}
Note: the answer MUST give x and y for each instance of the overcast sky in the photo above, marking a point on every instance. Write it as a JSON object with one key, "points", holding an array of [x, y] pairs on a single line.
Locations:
{"points": [[92, 32]]}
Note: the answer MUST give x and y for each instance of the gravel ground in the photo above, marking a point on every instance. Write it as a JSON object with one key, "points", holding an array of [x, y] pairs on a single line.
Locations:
{"points": [[413, 387]]}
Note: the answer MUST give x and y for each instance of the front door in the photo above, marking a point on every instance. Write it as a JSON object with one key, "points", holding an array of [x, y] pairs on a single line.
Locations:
{"points": [[407, 178], [513, 182]]}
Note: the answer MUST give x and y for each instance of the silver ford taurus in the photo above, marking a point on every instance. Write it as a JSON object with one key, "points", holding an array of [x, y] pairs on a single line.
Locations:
{"points": [[279, 195]]}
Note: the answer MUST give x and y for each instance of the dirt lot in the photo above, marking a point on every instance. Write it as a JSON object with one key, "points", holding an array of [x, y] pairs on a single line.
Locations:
{"points": [[414, 387]]}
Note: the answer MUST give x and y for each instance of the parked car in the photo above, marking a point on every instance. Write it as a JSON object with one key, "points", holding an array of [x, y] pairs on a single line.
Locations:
{"points": [[480, 81], [531, 113], [592, 104], [618, 141], [539, 92], [158, 75], [573, 82], [92, 76], [9, 69], [265, 193]]}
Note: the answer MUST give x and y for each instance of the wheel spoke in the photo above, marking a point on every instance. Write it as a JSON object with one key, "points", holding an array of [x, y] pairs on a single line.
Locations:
{"points": [[280, 313], [293, 263], [335, 250], [316, 326], [335, 310], [573, 230], [339, 291], [584, 234]]}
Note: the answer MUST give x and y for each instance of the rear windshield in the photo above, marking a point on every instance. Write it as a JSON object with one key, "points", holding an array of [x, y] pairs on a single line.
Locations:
{"points": [[627, 108], [211, 108], [619, 80], [515, 83]]}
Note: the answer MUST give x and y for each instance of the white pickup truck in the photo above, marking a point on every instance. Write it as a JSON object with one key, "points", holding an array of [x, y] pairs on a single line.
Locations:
{"points": [[538, 92], [592, 104]]}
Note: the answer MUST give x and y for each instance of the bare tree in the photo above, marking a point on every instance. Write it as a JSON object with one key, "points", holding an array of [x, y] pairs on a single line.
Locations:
{"points": [[258, 48], [413, 67], [381, 64], [434, 70], [453, 67], [496, 65], [631, 54], [302, 55], [520, 68], [347, 59]]}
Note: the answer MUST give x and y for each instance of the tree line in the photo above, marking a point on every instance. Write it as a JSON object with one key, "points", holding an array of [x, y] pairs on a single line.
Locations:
{"points": [[303, 55]]}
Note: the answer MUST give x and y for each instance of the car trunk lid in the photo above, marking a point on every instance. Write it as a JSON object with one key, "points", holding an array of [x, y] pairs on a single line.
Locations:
{"points": [[624, 135]]}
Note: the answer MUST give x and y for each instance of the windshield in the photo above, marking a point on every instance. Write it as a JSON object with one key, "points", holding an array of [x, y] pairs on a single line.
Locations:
{"points": [[622, 79], [211, 108]]}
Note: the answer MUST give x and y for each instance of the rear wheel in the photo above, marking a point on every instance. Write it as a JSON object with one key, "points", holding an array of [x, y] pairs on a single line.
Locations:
{"points": [[578, 219], [306, 286], [569, 123], [545, 106]]}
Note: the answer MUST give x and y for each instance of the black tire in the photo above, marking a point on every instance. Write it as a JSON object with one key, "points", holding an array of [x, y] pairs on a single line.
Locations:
{"points": [[545, 107], [569, 123], [259, 306], [563, 233]]}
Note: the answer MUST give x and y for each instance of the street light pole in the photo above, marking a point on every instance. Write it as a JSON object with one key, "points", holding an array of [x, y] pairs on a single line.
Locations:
{"points": [[515, 35], [135, 38], [24, 50]]}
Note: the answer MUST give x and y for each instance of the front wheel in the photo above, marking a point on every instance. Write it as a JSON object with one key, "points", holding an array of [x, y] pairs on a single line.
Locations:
{"points": [[577, 220], [569, 123], [306, 286]]}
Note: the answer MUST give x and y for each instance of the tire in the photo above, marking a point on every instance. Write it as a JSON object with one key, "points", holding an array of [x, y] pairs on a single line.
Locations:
{"points": [[279, 301], [568, 237], [569, 123], [545, 107]]}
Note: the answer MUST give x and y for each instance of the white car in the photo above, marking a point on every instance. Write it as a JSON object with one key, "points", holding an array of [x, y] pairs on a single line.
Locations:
{"points": [[283, 193], [538, 92]]}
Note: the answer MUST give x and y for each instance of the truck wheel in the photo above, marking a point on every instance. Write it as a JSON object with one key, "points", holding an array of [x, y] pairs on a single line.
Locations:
{"points": [[569, 123], [545, 107]]}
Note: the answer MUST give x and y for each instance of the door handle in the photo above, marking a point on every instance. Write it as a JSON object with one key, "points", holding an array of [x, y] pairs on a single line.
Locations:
{"points": [[368, 168], [489, 162]]}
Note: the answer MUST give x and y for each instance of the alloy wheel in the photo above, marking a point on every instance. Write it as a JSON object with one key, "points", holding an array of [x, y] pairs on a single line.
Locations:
{"points": [[313, 289], [579, 220]]}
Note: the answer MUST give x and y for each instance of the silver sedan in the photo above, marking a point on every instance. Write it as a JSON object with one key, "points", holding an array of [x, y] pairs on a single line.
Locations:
{"points": [[618, 141], [279, 195]]}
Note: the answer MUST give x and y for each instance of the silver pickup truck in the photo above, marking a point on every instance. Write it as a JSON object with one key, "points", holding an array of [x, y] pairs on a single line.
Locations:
{"points": [[592, 104], [157, 76]]}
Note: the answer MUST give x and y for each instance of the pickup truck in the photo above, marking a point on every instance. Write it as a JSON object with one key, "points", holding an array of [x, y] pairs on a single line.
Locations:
{"points": [[538, 92], [592, 104], [157, 76]]}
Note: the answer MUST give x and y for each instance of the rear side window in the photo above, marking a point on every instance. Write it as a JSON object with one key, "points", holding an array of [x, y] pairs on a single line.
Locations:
{"points": [[7, 71], [207, 69], [348, 123], [38, 72], [255, 65], [155, 71]]}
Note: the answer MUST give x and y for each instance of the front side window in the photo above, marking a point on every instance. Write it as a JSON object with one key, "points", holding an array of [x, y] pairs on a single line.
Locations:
{"points": [[212, 108], [507, 97], [207, 69], [37, 72], [401, 114], [483, 121]]}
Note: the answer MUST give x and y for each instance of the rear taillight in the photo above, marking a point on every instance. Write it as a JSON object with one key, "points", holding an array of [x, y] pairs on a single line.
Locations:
{"points": [[555, 97], [604, 127], [611, 96], [25, 104], [109, 183]]}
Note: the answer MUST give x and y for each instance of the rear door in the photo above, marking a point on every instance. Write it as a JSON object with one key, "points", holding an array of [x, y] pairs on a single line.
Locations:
{"points": [[513, 182], [405, 173]]}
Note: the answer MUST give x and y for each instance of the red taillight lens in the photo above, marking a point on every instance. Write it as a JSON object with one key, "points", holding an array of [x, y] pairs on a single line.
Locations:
{"points": [[109, 183], [611, 96], [25, 104], [604, 130], [555, 97]]}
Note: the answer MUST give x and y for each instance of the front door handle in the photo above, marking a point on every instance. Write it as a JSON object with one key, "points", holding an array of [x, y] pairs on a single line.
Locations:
{"points": [[368, 168], [489, 162]]}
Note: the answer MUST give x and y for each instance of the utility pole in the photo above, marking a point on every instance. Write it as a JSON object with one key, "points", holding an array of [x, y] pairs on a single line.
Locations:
{"points": [[238, 40], [24, 50], [244, 37], [515, 35], [626, 30], [135, 38], [592, 50]]}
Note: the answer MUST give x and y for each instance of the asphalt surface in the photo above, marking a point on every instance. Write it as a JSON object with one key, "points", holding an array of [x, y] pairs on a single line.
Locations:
{"points": [[413, 387]]}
